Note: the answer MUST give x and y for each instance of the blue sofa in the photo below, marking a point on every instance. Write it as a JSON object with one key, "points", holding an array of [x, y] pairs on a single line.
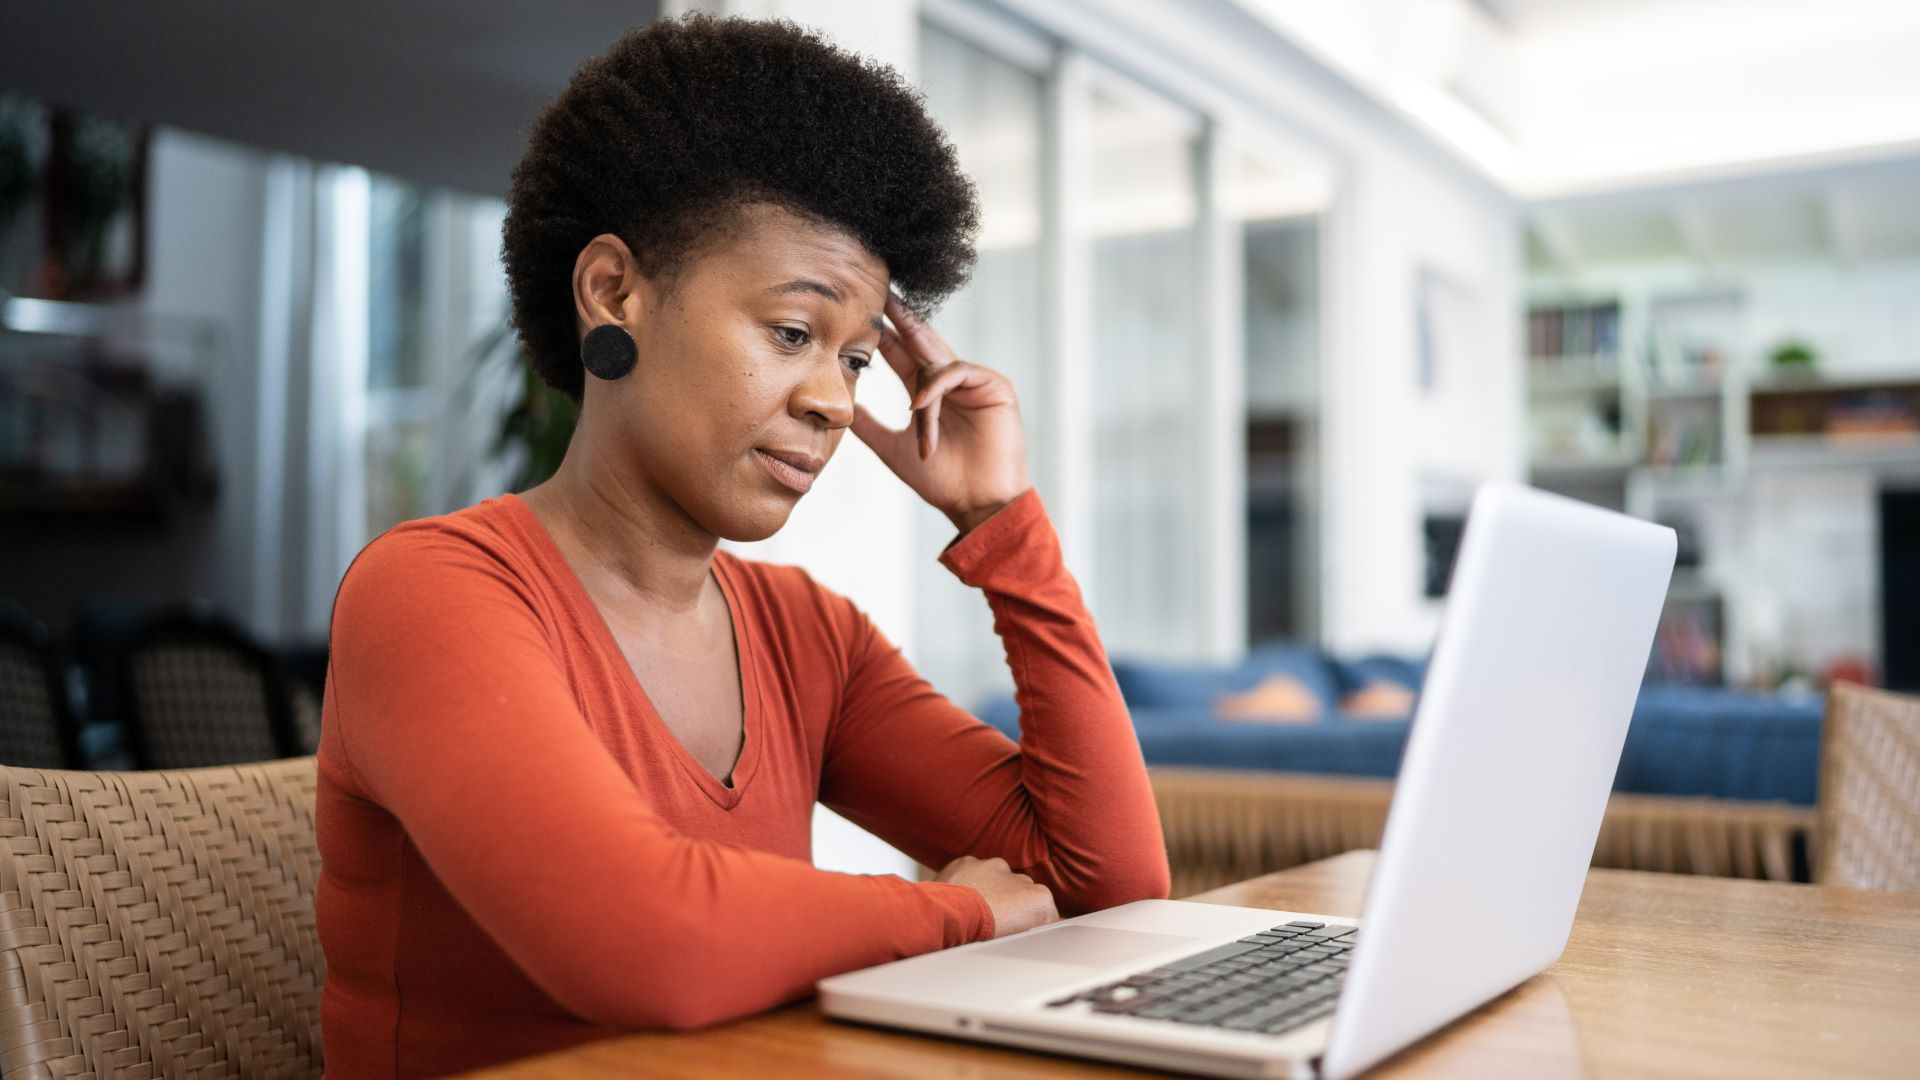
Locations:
{"points": [[1683, 740]]}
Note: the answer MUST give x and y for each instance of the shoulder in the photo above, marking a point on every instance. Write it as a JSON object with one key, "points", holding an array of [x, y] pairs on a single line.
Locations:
{"points": [[433, 561], [492, 530]]}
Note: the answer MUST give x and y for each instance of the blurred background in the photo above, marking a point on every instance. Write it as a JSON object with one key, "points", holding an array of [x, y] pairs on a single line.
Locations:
{"points": [[1279, 283]]}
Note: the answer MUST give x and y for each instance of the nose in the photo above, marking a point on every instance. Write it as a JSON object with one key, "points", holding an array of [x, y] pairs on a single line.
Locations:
{"points": [[824, 395]]}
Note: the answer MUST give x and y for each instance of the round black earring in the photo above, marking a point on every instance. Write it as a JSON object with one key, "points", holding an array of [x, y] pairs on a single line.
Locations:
{"points": [[608, 351]]}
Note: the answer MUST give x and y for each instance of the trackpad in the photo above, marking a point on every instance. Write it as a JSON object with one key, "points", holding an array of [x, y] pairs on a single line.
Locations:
{"points": [[1087, 946]]}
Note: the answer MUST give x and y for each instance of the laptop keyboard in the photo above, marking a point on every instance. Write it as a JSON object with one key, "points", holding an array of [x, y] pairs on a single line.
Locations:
{"points": [[1271, 982]]}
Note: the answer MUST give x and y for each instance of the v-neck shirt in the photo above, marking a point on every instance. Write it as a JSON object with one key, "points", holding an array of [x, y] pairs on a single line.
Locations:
{"points": [[518, 854], [588, 616]]}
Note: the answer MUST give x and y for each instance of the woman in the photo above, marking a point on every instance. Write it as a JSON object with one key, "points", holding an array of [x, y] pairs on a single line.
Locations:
{"points": [[571, 750]]}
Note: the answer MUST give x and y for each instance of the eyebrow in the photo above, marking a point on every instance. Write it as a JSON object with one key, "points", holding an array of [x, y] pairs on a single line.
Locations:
{"points": [[818, 288]]}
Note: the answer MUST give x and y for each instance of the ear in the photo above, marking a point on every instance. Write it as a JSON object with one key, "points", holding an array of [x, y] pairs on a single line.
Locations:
{"points": [[608, 286]]}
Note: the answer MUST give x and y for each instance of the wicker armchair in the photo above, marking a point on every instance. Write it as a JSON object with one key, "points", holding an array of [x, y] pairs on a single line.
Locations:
{"points": [[197, 692], [1869, 831], [35, 727], [159, 924]]}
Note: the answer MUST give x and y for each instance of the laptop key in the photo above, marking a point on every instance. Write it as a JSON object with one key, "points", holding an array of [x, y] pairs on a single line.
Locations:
{"points": [[1200, 960], [1303, 925]]}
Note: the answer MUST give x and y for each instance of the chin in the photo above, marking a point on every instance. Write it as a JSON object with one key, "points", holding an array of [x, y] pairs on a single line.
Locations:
{"points": [[755, 522]]}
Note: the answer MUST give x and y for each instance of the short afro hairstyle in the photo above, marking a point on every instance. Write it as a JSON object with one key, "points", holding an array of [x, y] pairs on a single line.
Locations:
{"points": [[685, 120]]}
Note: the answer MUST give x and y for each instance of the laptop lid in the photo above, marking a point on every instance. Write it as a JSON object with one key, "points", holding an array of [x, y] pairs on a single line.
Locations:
{"points": [[1514, 744]]}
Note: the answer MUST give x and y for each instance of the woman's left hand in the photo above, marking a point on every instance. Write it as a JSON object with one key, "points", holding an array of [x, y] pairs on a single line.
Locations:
{"points": [[965, 454]]}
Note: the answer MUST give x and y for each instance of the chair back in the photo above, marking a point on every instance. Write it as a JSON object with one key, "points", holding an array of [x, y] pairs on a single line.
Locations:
{"points": [[36, 728], [197, 692], [1869, 802], [160, 924]]}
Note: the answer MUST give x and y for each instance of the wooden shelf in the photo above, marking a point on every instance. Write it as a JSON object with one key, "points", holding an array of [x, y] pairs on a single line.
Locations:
{"points": [[1829, 451]]}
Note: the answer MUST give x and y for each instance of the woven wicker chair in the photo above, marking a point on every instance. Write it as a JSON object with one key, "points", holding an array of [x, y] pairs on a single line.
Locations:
{"points": [[159, 924], [35, 728], [1869, 833], [198, 692]]}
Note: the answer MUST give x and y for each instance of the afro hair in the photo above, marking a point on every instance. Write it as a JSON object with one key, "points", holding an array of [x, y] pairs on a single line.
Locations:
{"points": [[683, 121]]}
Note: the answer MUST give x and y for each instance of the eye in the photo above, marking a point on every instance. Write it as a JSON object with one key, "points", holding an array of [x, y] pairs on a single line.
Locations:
{"points": [[859, 363], [793, 337]]}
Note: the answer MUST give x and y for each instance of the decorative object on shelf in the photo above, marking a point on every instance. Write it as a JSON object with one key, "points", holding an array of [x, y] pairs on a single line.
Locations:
{"points": [[1446, 332], [1838, 413], [22, 154], [1684, 439], [1688, 644], [96, 208], [88, 432], [1872, 413], [1793, 359]]}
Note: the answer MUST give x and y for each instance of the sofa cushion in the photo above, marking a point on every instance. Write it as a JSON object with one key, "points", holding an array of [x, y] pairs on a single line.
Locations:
{"points": [[1357, 674], [1157, 685], [1695, 740], [1169, 738]]}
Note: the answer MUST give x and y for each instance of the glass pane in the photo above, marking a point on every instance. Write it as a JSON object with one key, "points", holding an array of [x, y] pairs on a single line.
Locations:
{"points": [[399, 457], [1149, 579], [396, 285], [992, 112], [1279, 208]]}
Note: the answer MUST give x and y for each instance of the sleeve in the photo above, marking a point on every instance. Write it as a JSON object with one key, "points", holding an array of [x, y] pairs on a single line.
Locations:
{"points": [[456, 718], [1070, 805]]}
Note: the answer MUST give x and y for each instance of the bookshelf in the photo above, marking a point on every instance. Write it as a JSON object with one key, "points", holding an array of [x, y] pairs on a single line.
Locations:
{"points": [[1651, 393]]}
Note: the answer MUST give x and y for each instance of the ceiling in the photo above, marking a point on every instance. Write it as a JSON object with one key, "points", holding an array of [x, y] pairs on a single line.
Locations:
{"points": [[1556, 97], [439, 91], [1850, 213]]}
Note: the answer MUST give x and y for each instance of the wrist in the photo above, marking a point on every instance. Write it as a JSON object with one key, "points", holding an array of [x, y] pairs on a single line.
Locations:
{"points": [[968, 520]]}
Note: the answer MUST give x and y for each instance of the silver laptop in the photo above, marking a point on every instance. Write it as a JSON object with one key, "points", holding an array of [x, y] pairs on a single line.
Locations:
{"points": [[1516, 737]]}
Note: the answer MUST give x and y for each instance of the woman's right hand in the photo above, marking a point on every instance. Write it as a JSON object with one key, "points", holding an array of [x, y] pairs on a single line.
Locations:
{"points": [[1017, 901]]}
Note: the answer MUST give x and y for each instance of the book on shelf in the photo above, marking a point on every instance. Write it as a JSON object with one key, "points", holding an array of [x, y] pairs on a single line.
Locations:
{"points": [[1569, 335]]}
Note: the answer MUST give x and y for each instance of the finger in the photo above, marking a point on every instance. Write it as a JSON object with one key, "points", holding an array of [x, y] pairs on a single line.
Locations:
{"points": [[931, 395], [959, 375], [931, 349]]}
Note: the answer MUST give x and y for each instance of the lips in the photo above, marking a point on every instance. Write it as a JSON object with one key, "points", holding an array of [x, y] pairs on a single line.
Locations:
{"points": [[792, 468]]}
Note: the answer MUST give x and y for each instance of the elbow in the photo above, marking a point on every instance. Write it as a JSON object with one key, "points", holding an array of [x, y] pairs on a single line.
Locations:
{"points": [[1152, 881], [1156, 883]]}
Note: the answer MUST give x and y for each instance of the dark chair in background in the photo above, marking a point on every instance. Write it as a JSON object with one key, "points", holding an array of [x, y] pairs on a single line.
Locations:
{"points": [[196, 691], [36, 728]]}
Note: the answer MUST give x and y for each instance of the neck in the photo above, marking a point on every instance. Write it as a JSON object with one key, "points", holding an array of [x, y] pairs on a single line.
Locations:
{"points": [[623, 535]]}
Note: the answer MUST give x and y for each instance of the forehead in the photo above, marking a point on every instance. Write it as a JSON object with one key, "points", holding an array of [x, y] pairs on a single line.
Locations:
{"points": [[766, 245]]}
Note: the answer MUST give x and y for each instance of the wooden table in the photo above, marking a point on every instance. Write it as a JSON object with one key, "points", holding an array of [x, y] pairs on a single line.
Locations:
{"points": [[1666, 975]]}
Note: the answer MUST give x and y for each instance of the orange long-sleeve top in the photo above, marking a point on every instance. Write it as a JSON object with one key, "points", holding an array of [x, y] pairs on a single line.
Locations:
{"points": [[518, 855]]}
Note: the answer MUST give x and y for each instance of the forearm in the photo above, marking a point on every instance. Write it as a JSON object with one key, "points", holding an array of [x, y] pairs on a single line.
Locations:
{"points": [[1080, 767], [1070, 804]]}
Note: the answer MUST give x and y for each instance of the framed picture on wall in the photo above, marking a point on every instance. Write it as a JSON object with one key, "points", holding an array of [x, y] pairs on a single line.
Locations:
{"points": [[73, 202]]}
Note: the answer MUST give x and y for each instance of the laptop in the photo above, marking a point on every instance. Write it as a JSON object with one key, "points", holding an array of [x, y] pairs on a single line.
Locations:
{"points": [[1516, 737]]}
